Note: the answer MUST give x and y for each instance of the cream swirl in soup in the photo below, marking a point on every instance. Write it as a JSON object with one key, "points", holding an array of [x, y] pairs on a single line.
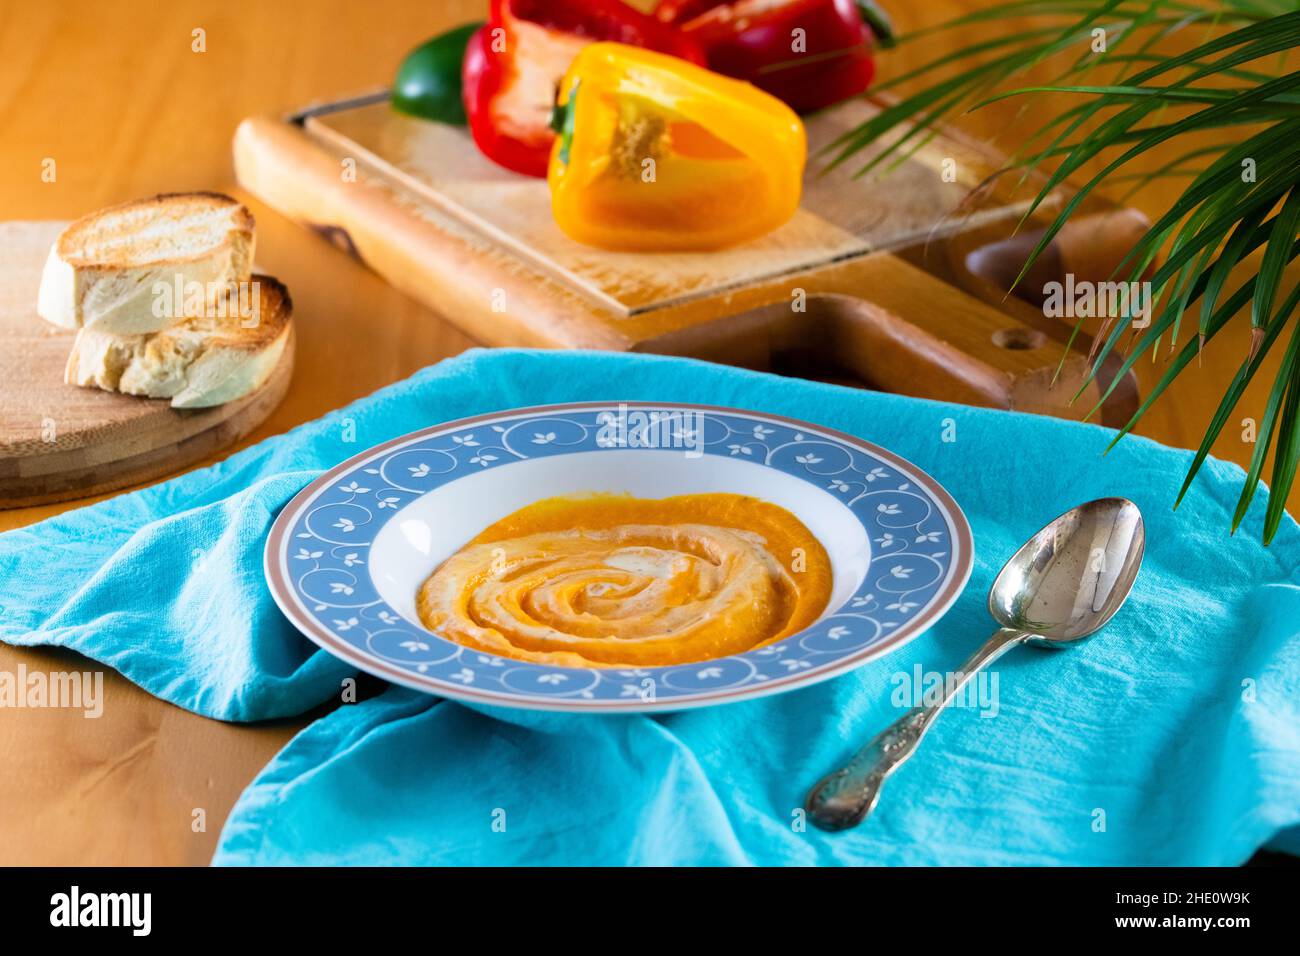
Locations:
{"points": [[607, 580]]}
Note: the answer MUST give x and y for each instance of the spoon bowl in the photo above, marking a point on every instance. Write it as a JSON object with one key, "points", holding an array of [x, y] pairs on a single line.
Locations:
{"points": [[1070, 578]]}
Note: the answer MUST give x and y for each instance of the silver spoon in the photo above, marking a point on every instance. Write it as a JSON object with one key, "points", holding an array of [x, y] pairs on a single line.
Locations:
{"points": [[1062, 585]]}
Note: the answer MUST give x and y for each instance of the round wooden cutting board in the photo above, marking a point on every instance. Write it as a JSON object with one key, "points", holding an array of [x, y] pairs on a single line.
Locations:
{"points": [[59, 441]]}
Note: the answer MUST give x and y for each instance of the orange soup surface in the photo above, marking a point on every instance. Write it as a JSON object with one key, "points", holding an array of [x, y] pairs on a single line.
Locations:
{"points": [[617, 581]]}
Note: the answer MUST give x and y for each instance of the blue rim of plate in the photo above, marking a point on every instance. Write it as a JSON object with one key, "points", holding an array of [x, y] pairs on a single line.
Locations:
{"points": [[316, 570]]}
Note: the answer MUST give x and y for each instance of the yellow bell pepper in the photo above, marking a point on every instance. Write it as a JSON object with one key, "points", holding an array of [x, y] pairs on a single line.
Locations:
{"points": [[655, 153]]}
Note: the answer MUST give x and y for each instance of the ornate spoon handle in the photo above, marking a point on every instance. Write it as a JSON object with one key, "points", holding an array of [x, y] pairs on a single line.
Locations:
{"points": [[843, 799]]}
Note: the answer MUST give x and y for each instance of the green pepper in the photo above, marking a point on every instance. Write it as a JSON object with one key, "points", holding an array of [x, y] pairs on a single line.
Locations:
{"points": [[428, 81]]}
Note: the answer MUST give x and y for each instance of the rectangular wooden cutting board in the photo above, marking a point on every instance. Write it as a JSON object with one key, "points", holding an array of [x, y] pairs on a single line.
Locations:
{"points": [[839, 289], [841, 216]]}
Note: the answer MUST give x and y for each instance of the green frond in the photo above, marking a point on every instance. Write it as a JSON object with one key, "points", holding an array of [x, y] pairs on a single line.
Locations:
{"points": [[1242, 194]]}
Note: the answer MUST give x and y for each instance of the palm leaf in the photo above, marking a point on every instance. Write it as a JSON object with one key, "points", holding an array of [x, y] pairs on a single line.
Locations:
{"points": [[1232, 80]]}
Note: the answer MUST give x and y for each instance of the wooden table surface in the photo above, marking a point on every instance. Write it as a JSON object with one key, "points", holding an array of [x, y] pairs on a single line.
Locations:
{"points": [[114, 93]]}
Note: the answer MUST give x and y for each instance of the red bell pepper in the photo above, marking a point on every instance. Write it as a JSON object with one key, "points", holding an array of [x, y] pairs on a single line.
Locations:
{"points": [[514, 65], [755, 40]]}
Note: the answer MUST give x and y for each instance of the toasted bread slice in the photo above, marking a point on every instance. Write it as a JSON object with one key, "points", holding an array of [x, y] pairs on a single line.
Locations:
{"points": [[203, 361], [118, 270]]}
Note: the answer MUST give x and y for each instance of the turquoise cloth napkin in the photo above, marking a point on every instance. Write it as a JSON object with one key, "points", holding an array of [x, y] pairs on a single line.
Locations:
{"points": [[1173, 737]]}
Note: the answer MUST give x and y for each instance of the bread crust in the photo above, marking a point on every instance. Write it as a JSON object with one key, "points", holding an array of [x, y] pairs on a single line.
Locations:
{"points": [[68, 243]]}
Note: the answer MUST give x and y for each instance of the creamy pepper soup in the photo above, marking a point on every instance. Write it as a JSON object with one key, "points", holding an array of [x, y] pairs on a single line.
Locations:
{"points": [[612, 580]]}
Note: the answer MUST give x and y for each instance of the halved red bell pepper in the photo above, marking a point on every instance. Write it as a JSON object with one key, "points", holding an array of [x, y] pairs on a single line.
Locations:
{"points": [[514, 65], [756, 40]]}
